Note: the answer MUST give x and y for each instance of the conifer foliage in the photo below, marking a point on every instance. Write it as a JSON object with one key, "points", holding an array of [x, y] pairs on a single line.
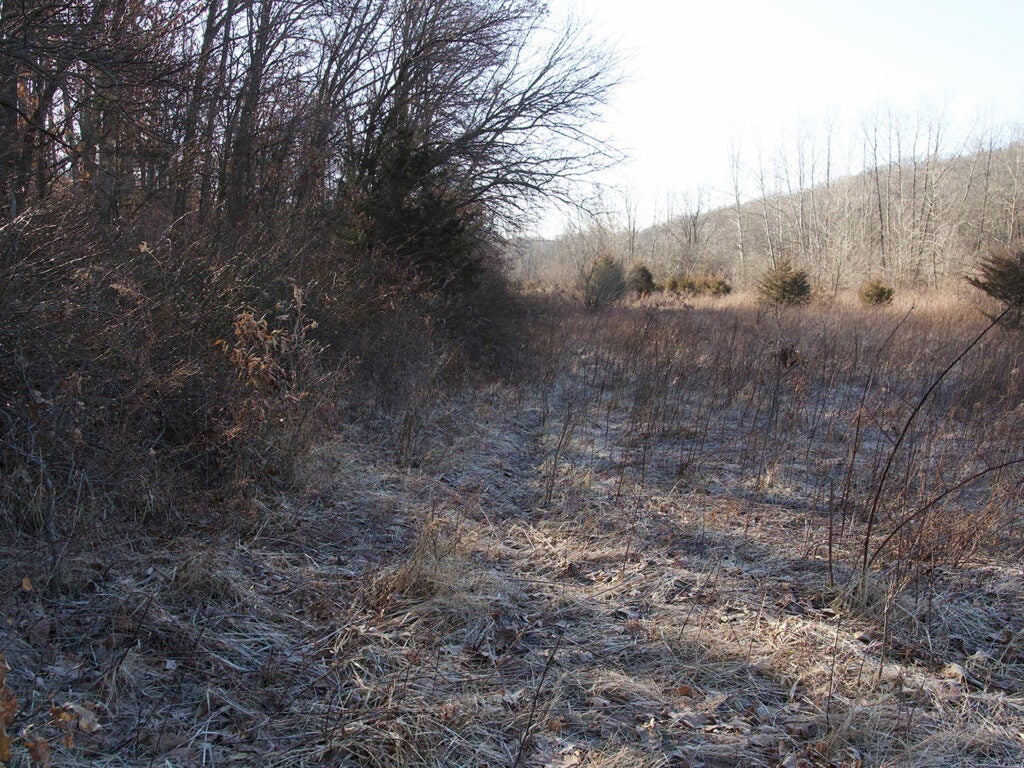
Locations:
{"points": [[785, 285], [1001, 276]]}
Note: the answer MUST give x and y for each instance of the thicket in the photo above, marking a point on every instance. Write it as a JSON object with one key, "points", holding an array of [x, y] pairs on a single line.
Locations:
{"points": [[918, 211], [225, 226], [702, 284]]}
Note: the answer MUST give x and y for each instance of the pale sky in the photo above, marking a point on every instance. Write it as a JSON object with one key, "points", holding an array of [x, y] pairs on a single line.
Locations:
{"points": [[704, 77]]}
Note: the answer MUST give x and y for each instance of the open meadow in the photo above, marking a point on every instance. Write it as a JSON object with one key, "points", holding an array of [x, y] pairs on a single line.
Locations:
{"points": [[706, 534]]}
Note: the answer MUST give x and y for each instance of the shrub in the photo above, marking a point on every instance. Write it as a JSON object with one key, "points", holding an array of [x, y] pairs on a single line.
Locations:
{"points": [[1001, 276], [274, 397], [715, 285], [875, 293], [639, 280], [703, 284], [686, 285], [785, 285], [602, 283]]}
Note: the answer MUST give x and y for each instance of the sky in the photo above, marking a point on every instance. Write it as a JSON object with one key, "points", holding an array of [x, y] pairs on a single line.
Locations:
{"points": [[705, 79]]}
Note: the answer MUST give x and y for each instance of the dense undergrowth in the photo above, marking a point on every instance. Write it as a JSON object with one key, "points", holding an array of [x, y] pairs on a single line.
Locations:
{"points": [[148, 368]]}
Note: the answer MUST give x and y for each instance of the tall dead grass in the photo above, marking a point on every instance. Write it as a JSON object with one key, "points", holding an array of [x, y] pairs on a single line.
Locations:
{"points": [[645, 550]]}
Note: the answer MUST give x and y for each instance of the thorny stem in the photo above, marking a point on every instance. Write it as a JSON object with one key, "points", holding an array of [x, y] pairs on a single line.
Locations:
{"points": [[936, 500], [866, 558]]}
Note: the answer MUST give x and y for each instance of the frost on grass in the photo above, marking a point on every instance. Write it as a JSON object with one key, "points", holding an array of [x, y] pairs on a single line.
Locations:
{"points": [[653, 556]]}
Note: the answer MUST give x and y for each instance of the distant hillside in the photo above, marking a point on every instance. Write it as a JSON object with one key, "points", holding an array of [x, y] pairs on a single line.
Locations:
{"points": [[923, 221]]}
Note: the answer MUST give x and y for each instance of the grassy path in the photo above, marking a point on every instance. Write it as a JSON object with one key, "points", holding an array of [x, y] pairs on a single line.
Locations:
{"points": [[578, 572]]}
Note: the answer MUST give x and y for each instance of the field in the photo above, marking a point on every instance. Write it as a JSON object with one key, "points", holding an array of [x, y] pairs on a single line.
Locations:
{"points": [[707, 534]]}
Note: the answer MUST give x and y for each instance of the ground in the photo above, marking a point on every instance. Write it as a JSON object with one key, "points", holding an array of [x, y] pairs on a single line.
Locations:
{"points": [[650, 552]]}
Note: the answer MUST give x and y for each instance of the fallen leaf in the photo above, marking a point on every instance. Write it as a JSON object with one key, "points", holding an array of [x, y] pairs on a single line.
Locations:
{"points": [[86, 717], [821, 747], [39, 632], [766, 740], [569, 760], [511, 698], [735, 725], [955, 671], [26, 584], [556, 724], [162, 743], [60, 717], [39, 753], [715, 699], [693, 720], [802, 730], [8, 705]]}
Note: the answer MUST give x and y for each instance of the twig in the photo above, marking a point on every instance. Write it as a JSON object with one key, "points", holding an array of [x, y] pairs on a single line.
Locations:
{"points": [[873, 513], [536, 697]]}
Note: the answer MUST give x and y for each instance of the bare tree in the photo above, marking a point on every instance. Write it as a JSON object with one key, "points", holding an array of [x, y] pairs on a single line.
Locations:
{"points": [[432, 121], [77, 80], [687, 227], [468, 123], [735, 170], [630, 203]]}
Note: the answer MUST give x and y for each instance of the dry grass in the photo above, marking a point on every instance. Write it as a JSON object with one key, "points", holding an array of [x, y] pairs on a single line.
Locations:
{"points": [[653, 556]]}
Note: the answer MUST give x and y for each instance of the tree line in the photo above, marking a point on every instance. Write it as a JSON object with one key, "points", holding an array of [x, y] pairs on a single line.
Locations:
{"points": [[900, 198], [420, 116]]}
